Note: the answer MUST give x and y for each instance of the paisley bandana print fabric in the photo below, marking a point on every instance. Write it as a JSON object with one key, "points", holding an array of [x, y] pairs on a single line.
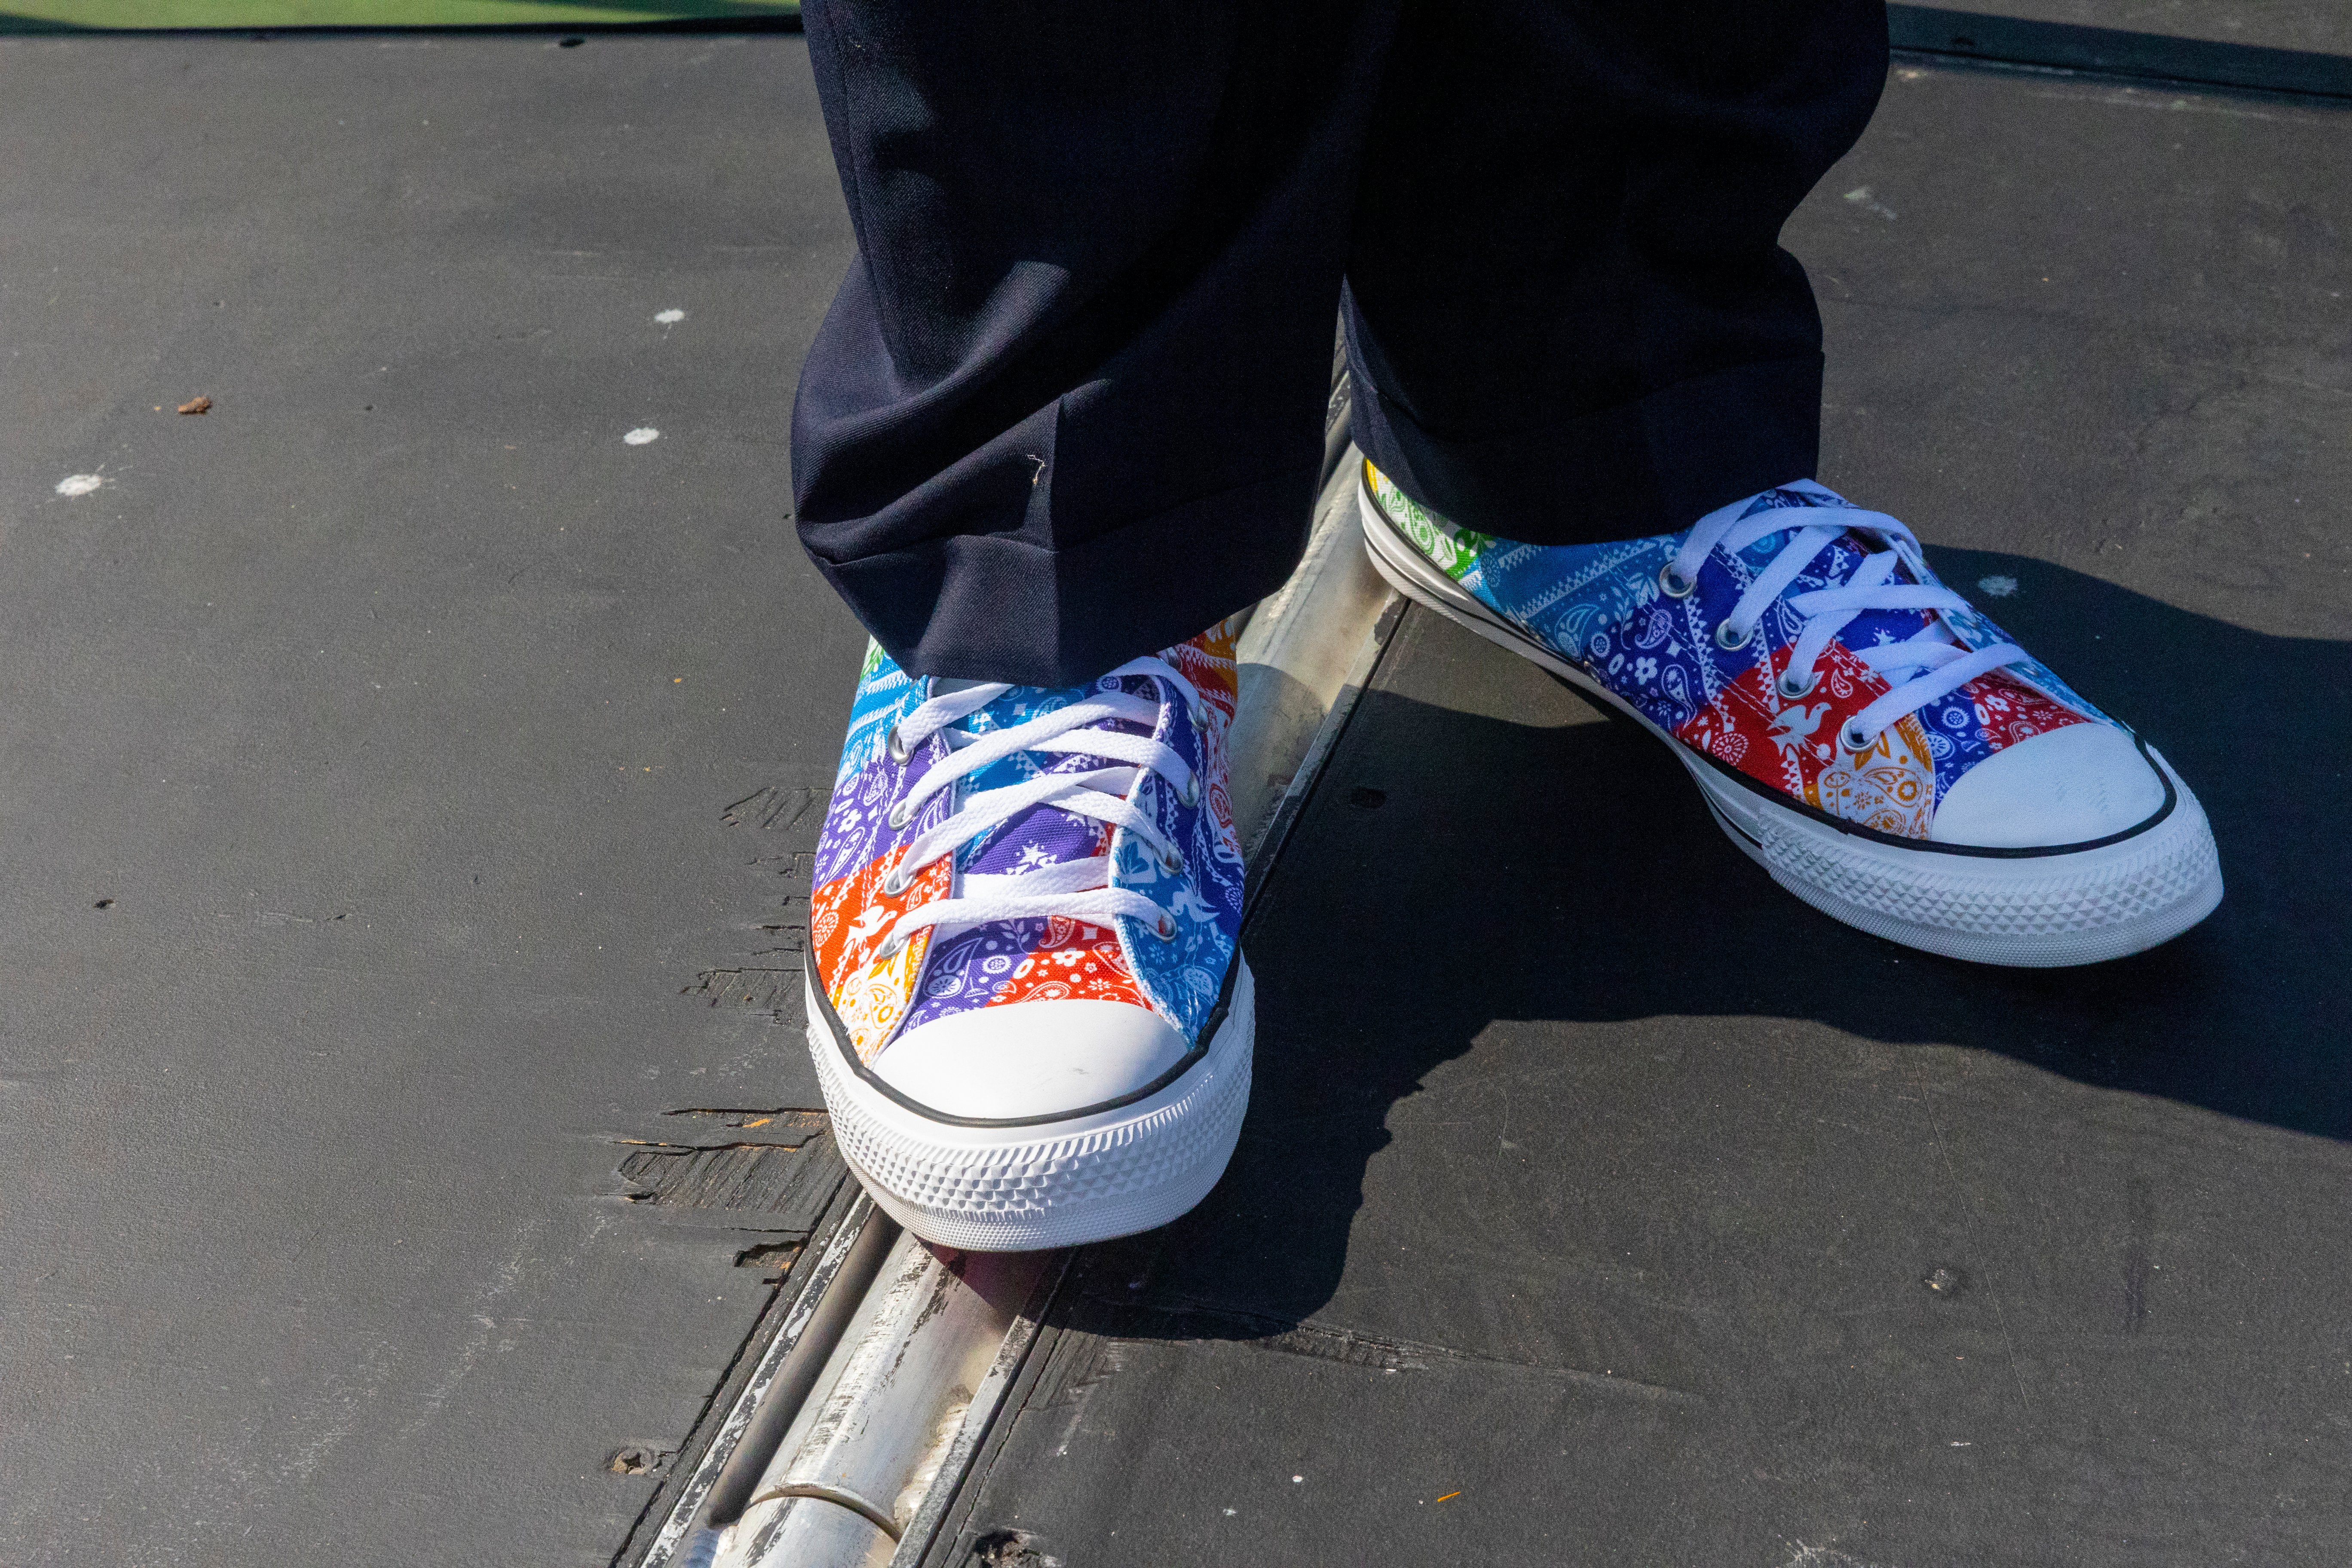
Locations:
{"points": [[1604, 607], [1175, 967]]}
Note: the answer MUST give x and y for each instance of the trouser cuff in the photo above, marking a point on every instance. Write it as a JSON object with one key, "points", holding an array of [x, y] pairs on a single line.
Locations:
{"points": [[1653, 466], [994, 608]]}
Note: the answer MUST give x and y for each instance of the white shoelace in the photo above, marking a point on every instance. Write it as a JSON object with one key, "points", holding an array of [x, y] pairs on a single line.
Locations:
{"points": [[1945, 666], [1079, 890]]}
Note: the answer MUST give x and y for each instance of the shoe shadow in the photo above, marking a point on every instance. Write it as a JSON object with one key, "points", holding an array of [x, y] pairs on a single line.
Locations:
{"points": [[1457, 871]]}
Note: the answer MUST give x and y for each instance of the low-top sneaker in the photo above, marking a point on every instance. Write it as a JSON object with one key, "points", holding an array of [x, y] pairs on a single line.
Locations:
{"points": [[1862, 730], [1028, 1007]]}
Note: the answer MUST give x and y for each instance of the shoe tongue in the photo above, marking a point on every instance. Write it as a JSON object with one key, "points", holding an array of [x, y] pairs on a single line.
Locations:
{"points": [[1041, 836], [1036, 838], [1779, 496], [1819, 498], [1780, 511], [1836, 565]]}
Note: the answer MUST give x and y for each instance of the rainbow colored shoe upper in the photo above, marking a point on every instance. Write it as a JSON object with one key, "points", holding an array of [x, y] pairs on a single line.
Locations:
{"points": [[1158, 889], [1620, 612], [1854, 726]]}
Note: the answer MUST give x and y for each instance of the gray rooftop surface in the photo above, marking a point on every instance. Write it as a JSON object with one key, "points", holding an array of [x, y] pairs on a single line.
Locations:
{"points": [[396, 705], [2322, 26], [448, 765], [1600, 1202]]}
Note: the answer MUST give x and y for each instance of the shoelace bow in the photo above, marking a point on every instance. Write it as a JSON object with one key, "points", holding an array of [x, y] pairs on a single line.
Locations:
{"points": [[1946, 665], [1079, 890]]}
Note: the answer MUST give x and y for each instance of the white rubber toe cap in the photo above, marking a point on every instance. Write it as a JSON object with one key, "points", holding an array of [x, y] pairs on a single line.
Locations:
{"points": [[1030, 1059], [2064, 787]]}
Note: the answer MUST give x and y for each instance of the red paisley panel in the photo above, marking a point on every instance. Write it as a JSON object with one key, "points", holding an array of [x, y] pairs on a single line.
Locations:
{"points": [[1207, 661], [1076, 962], [1785, 743], [849, 918], [2011, 710]]}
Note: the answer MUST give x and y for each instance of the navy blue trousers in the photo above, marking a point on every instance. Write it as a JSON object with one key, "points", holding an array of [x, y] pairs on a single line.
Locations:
{"points": [[1068, 407]]}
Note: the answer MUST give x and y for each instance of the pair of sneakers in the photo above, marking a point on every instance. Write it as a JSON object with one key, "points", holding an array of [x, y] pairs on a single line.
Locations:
{"points": [[1026, 1002]]}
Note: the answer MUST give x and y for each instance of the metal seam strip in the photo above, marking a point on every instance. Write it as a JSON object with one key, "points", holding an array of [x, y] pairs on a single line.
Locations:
{"points": [[979, 1418], [820, 1280]]}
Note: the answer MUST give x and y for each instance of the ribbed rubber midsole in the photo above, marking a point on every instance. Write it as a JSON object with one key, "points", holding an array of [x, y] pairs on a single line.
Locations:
{"points": [[1059, 1184]]}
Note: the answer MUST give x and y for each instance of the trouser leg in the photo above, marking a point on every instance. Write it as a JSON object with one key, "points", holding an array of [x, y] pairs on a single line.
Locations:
{"points": [[1066, 407], [1570, 316]]}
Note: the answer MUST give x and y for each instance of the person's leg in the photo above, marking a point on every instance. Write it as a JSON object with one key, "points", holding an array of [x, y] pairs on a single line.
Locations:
{"points": [[1066, 407], [1589, 386], [1565, 276], [1065, 413]]}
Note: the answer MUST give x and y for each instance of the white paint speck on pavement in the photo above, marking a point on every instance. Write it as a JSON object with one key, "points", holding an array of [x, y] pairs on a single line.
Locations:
{"points": [[641, 435]]}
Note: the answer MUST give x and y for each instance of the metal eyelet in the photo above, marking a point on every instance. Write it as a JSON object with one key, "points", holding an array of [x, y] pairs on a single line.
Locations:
{"points": [[898, 749], [899, 815], [1172, 863], [1674, 585], [1191, 793], [896, 881], [1812, 679], [1730, 644], [1166, 928], [1854, 740], [889, 948]]}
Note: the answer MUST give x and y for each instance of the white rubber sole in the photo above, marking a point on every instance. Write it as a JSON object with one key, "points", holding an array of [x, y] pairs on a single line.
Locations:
{"points": [[1057, 1183], [2082, 906]]}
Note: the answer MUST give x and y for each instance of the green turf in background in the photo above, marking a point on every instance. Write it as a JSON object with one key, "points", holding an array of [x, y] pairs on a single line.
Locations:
{"points": [[44, 15]]}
